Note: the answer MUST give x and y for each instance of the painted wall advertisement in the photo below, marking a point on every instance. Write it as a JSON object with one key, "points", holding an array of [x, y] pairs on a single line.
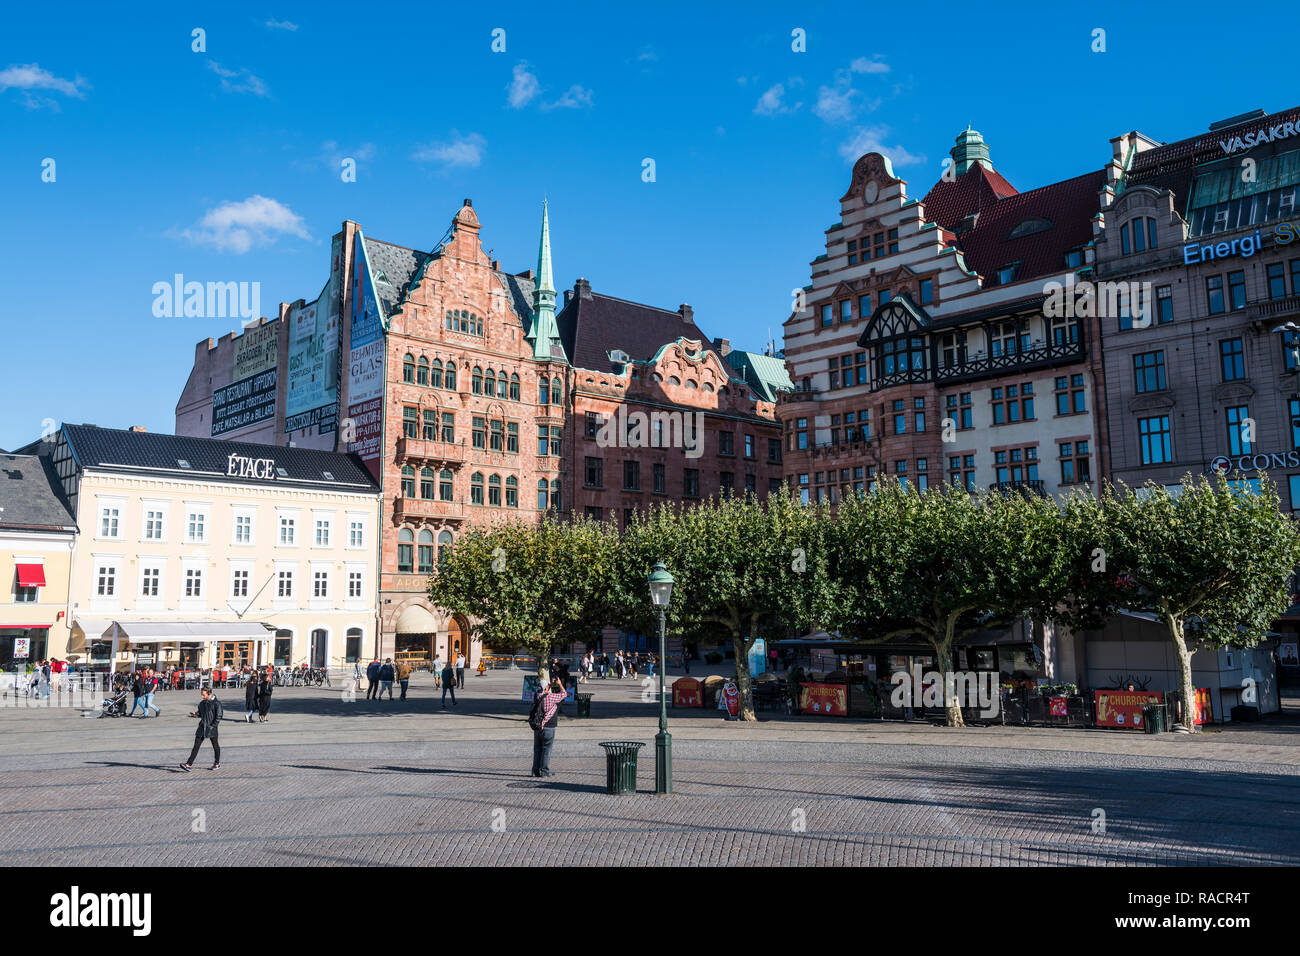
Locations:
{"points": [[250, 397], [313, 397], [1123, 708], [365, 363], [824, 699]]}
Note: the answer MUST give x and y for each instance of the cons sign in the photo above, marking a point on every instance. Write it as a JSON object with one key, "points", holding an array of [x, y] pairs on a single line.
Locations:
{"points": [[1222, 465], [237, 466]]}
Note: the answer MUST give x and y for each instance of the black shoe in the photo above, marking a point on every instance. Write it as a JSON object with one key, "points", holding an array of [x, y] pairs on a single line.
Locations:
{"points": [[536, 774], [546, 773]]}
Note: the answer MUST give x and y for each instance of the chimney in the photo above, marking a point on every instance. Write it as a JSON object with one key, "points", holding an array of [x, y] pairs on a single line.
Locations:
{"points": [[526, 274], [139, 429], [582, 289], [686, 312], [724, 346], [568, 297], [469, 203], [496, 265]]}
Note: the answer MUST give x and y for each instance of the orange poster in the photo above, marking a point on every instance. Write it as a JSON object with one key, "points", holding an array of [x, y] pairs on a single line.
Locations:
{"points": [[1123, 708]]}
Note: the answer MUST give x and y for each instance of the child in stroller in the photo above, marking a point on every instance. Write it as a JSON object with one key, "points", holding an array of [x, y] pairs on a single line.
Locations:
{"points": [[114, 704]]}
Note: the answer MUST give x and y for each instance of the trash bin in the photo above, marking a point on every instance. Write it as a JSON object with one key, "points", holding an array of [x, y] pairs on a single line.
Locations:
{"points": [[620, 765], [584, 704], [1153, 718]]}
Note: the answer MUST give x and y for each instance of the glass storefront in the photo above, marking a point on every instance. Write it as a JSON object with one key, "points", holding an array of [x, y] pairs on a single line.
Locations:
{"points": [[37, 639]]}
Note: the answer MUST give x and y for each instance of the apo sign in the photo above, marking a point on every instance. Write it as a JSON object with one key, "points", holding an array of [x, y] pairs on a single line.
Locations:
{"points": [[237, 466], [1223, 465]]}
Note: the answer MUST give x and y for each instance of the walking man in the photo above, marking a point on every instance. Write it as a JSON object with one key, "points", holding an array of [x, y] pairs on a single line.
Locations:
{"points": [[372, 680], [209, 715], [404, 676], [448, 684], [386, 675], [437, 671], [150, 686], [460, 671], [544, 736], [137, 693]]}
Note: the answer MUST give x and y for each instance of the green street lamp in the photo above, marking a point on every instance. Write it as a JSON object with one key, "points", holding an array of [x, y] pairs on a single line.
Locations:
{"points": [[661, 592]]}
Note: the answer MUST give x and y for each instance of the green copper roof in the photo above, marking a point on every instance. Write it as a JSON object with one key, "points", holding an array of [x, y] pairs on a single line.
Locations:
{"points": [[765, 374], [544, 333]]}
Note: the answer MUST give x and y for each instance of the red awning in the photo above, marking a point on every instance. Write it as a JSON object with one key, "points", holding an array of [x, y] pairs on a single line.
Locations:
{"points": [[31, 576]]}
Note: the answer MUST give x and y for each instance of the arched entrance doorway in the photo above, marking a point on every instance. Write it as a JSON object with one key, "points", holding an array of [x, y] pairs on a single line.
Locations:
{"points": [[457, 638], [416, 631], [319, 643]]}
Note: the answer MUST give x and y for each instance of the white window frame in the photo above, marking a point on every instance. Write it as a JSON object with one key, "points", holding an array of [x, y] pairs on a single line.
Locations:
{"points": [[36, 588], [103, 505], [360, 519], [291, 601], [201, 509], [161, 506], [320, 603], [151, 602], [245, 567], [359, 602], [237, 513], [111, 602], [317, 519], [281, 516]]}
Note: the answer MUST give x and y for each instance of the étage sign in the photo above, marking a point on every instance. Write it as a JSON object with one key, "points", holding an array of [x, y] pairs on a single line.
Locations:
{"points": [[237, 466]]}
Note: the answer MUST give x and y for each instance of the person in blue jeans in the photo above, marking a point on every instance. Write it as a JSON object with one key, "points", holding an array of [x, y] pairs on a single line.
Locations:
{"points": [[150, 686], [544, 738], [448, 683]]}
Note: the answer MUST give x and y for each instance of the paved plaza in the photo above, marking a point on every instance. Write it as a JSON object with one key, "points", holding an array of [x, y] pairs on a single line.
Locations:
{"points": [[330, 781]]}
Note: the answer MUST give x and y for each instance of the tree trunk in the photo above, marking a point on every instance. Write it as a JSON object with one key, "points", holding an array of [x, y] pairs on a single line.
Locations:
{"points": [[743, 683], [951, 704], [1188, 687]]}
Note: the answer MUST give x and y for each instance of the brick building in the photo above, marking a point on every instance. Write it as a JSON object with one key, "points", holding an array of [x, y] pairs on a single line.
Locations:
{"points": [[921, 350], [467, 398]]}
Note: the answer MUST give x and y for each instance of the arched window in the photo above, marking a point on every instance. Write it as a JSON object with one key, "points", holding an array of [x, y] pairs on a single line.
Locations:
{"points": [[555, 390], [444, 546], [496, 435], [435, 374], [708, 386], [408, 368], [352, 652], [494, 491], [674, 380], [405, 551], [425, 553], [512, 492], [476, 488], [426, 483], [490, 383], [542, 495], [543, 391], [444, 486], [408, 481], [555, 494], [449, 380], [514, 387], [690, 383], [422, 372], [656, 377], [476, 383], [503, 387]]}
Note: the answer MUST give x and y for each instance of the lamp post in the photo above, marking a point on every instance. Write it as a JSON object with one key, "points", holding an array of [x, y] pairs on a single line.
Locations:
{"points": [[661, 592]]}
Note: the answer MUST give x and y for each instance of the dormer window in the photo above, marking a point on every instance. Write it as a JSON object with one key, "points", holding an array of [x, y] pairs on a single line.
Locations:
{"points": [[1137, 236], [1074, 259], [1008, 273], [1029, 227]]}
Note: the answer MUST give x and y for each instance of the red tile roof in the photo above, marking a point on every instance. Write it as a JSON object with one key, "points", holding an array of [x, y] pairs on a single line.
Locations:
{"points": [[948, 203]]}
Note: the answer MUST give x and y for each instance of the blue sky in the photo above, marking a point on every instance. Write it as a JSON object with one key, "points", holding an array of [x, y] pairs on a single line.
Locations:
{"points": [[223, 165]]}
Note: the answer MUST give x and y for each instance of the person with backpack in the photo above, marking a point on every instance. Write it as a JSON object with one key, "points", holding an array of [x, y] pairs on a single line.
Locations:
{"points": [[209, 715], [448, 683], [386, 675], [372, 679], [542, 719]]}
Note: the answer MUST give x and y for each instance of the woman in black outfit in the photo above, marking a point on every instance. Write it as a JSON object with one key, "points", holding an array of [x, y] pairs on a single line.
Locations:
{"points": [[250, 697], [263, 695]]}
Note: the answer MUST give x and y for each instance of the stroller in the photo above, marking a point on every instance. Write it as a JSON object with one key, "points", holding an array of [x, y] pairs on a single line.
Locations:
{"points": [[114, 705]]}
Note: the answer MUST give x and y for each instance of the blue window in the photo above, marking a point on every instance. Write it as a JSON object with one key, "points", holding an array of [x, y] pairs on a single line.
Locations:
{"points": [[1149, 371], [927, 291], [864, 305], [1155, 440], [1232, 360], [828, 317], [1239, 436], [1294, 482]]}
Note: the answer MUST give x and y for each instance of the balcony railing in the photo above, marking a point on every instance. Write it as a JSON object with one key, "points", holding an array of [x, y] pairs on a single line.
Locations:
{"points": [[1032, 486], [404, 507], [1044, 355], [1274, 307], [428, 450]]}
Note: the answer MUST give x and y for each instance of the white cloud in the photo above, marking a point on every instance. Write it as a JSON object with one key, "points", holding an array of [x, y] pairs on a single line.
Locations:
{"points": [[458, 151], [647, 54], [29, 76], [770, 103], [575, 98], [239, 81], [238, 226], [835, 103], [873, 65], [274, 24], [523, 87], [870, 139]]}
